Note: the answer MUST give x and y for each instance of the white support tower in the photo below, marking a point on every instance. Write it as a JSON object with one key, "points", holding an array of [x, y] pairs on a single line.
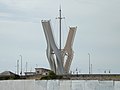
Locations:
{"points": [[59, 59]]}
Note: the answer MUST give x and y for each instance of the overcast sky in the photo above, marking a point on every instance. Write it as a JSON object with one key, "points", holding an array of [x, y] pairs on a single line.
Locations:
{"points": [[98, 33]]}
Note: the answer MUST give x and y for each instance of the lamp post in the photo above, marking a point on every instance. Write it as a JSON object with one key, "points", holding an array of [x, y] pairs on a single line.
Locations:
{"points": [[91, 69], [21, 65], [26, 66], [18, 67], [89, 62]]}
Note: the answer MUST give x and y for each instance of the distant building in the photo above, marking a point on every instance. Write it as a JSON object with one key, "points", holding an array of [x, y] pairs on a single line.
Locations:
{"points": [[29, 73], [42, 71], [38, 71], [7, 73]]}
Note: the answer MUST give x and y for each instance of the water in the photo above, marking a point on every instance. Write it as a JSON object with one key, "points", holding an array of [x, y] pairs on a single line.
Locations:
{"points": [[59, 85]]}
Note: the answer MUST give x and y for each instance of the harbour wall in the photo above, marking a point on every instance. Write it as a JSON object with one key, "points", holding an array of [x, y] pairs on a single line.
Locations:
{"points": [[59, 85]]}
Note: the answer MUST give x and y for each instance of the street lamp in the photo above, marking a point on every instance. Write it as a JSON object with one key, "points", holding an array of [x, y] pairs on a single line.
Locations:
{"points": [[91, 69], [18, 67], [89, 62], [21, 65]]}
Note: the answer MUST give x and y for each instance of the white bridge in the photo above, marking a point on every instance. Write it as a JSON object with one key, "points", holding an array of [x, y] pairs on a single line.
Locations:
{"points": [[59, 59]]}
